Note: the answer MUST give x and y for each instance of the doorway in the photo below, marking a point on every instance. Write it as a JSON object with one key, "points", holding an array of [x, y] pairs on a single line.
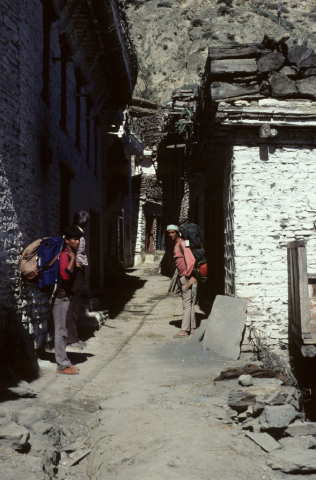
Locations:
{"points": [[149, 233], [214, 238]]}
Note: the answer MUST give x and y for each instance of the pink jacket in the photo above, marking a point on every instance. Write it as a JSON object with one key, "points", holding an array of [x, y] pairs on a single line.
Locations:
{"points": [[184, 263]]}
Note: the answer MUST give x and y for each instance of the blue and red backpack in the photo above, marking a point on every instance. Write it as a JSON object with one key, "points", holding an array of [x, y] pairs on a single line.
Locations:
{"points": [[39, 263]]}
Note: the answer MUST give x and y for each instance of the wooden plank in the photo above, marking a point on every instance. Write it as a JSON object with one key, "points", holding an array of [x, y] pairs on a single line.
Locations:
{"points": [[296, 244], [233, 51], [303, 290], [246, 65], [295, 291]]}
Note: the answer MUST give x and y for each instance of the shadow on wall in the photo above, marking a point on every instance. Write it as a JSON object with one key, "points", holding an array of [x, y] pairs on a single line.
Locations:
{"points": [[20, 224]]}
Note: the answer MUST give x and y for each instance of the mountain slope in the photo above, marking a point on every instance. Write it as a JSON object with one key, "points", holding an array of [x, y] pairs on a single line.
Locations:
{"points": [[172, 36]]}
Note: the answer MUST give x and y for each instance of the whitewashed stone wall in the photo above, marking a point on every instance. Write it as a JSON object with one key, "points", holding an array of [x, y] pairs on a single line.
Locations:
{"points": [[274, 202], [229, 253]]}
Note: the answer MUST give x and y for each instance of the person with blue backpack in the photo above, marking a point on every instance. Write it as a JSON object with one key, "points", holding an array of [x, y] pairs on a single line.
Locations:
{"points": [[61, 301]]}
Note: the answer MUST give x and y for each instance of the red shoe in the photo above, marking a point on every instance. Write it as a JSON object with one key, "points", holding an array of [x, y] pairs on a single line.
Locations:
{"points": [[69, 370], [72, 366]]}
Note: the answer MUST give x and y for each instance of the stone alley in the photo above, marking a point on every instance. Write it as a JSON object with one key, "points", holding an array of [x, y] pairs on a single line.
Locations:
{"points": [[144, 405]]}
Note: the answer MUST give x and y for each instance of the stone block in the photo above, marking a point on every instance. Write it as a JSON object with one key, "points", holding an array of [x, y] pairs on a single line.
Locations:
{"points": [[240, 399], [301, 428], [5, 415], [14, 436], [299, 442], [283, 395], [309, 72], [225, 326], [307, 87], [265, 441], [277, 417], [245, 380], [239, 66], [222, 90], [281, 85], [296, 53], [271, 61], [289, 72], [289, 461]]}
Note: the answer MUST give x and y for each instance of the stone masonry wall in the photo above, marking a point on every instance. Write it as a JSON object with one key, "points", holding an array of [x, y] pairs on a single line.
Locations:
{"points": [[30, 186], [274, 203], [228, 206]]}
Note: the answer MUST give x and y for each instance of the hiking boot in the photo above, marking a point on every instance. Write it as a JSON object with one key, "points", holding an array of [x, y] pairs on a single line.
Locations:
{"points": [[68, 370], [75, 345]]}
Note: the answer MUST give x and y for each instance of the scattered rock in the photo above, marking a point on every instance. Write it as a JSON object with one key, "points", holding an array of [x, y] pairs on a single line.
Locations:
{"points": [[245, 380], [281, 85], [301, 428], [296, 53], [289, 72], [278, 417], [225, 326], [240, 399], [308, 60], [252, 424], [310, 72], [307, 87], [71, 448], [301, 40], [289, 461], [299, 442], [5, 415], [265, 441], [283, 395], [271, 61], [14, 436], [78, 455]]}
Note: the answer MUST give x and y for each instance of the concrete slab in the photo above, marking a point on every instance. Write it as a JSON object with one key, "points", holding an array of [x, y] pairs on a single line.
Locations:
{"points": [[225, 326]]}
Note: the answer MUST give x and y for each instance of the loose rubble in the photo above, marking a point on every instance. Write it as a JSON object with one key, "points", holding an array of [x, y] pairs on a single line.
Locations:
{"points": [[271, 417]]}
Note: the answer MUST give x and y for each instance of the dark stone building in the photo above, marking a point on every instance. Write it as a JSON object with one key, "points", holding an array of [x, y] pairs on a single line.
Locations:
{"points": [[68, 67]]}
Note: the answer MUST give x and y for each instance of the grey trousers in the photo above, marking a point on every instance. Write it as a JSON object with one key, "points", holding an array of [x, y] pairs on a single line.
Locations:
{"points": [[188, 321], [60, 310]]}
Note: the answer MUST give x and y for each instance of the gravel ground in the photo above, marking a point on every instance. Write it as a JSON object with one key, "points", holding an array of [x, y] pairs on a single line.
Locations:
{"points": [[144, 404]]}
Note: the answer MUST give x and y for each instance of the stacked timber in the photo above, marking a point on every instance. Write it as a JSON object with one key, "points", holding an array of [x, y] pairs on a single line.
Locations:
{"points": [[267, 69]]}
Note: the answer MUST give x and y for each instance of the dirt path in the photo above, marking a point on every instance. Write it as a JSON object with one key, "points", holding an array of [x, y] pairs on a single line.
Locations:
{"points": [[145, 404]]}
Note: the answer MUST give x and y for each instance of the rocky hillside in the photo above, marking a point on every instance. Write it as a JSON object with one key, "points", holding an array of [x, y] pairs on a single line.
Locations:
{"points": [[172, 36]]}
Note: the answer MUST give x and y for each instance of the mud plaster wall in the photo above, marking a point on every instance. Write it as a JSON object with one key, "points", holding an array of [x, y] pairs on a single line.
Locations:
{"points": [[30, 192], [274, 202]]}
